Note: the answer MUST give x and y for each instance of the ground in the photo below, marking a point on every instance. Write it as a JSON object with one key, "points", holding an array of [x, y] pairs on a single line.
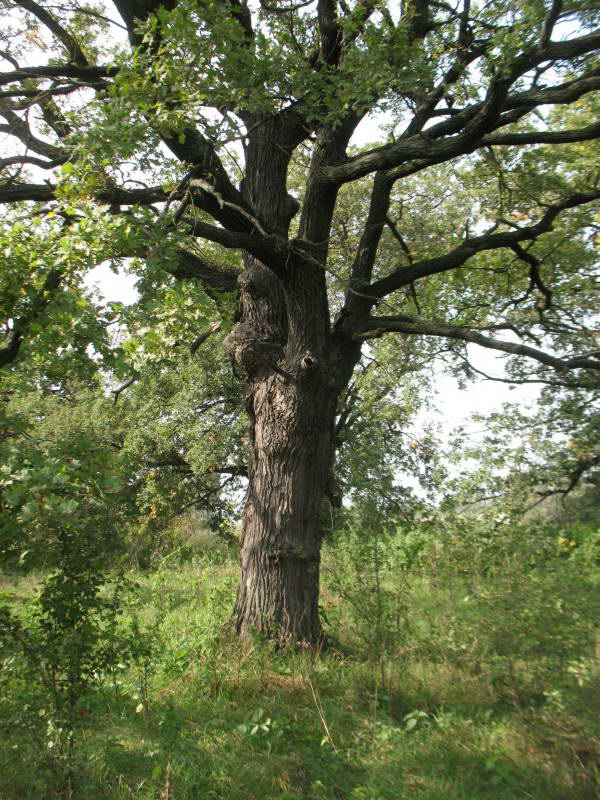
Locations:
{"points": [[454, 690]]}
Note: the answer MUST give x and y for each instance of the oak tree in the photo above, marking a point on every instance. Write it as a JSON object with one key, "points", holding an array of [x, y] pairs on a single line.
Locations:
{"points": [[173, 136]]}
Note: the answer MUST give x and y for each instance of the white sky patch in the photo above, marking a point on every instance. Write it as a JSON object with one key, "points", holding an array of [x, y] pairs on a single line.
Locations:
{"points": [[455, 405], [113, 287]]}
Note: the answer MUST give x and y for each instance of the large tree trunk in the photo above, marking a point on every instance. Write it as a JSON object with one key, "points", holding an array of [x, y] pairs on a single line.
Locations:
{"points": [[284, 347], [291, 404], [292, 448]]}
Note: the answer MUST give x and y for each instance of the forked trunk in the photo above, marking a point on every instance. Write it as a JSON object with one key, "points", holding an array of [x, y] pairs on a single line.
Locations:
{"points": [[283, 345]]}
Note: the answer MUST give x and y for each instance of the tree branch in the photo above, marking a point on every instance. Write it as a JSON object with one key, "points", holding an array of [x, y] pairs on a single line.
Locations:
{"points": [[550, 22], [491, 241], [274, 251], [22, 324], [18, 128], [574, 478], [122, 387], [87, 74], [362, 267], [199, 340], [36, 162], [194, 267], [418, 20], [544, 137], [118, 195], [374, 327], [76, 54], [463, 132], [330, 32], [567, 384]]}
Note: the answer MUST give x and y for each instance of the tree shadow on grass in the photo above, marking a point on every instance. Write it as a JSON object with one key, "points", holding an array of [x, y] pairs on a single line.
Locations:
{"points": [[261, 741]]}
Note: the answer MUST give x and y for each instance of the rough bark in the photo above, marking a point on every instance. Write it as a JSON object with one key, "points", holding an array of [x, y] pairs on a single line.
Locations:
{"points": [[283, 346], [291, 404], [291, 444]]}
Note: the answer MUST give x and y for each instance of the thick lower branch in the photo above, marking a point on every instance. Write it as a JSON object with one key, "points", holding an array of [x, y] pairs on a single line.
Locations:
{"points": [[374, 327]]}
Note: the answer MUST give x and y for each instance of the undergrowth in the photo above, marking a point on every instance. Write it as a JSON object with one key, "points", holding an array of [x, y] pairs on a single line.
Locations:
{"points": [[462, 671]]}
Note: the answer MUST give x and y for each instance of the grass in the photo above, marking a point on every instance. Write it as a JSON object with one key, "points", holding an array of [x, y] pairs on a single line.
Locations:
{"points": [[451, 708]]}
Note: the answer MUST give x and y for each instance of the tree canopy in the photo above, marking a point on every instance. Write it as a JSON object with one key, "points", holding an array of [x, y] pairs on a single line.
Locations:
{"points": [[117, 126]]}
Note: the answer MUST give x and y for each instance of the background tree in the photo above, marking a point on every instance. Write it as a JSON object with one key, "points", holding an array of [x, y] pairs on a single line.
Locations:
{"points": [[173, 144]]}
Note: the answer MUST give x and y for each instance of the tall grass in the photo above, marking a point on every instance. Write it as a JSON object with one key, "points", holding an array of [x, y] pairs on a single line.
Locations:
{"points": [[462, 670]]}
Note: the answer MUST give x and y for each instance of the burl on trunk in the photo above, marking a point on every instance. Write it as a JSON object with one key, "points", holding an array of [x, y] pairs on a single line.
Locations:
{"points": [[291, 404]]}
